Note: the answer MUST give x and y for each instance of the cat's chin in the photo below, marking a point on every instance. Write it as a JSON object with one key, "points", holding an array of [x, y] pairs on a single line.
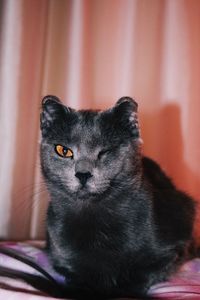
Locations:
{"points": [[83, 193]]}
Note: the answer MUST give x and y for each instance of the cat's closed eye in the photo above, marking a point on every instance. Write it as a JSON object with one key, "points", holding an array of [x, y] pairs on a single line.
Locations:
{"points": [[103, 152], [64, 151]]}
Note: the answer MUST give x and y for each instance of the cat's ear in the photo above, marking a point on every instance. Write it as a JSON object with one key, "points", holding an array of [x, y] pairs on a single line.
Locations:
{"points": [[125, 111], [52, 110]]}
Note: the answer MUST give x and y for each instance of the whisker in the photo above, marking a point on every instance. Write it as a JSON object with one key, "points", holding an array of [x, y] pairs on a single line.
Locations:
{"points": [[29, 200]]}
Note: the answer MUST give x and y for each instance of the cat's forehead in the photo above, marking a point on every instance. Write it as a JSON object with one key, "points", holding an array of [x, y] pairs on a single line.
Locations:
{"points": [[91, 131], [88, 128], [88, 118], [119, 123]]}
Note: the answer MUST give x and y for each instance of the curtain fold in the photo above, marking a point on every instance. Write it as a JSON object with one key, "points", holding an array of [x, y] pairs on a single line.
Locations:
{"points": [[90, 53]]}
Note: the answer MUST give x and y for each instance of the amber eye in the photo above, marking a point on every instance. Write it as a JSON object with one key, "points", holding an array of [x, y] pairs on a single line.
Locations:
{"points": [[63, 151]]}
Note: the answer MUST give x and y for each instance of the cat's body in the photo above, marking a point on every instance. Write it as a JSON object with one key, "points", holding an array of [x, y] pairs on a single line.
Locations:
{"points": [[116, 223]]}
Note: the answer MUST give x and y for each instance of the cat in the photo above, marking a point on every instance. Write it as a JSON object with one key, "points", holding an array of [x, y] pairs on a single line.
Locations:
{"points": [[116, 224]]}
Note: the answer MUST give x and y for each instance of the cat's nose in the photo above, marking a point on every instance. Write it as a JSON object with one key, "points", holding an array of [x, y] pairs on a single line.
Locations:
{"points": [[83, 177]]}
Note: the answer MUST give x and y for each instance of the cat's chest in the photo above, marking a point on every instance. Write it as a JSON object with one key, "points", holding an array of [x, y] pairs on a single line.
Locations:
{"points": [[87, 238], [88, 229]]}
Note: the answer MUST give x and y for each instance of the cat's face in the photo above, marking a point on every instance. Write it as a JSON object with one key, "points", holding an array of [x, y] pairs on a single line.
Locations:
{"points": [[83, 152]]}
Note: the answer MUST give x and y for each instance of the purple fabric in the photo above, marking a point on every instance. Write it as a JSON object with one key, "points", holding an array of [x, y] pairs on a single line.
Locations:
{"points": [[185, 284], [34, 253]]}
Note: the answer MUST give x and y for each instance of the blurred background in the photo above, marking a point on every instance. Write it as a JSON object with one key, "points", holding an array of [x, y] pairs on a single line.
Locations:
{"points": [[90, 53]]}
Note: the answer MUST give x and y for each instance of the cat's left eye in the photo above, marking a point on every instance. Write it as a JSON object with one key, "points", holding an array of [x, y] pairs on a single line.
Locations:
{"points": [[64, 151], [103, 152]]}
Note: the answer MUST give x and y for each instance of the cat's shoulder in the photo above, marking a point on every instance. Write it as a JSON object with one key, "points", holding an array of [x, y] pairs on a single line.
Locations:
{"points": [[155, 174], [164, 188]]}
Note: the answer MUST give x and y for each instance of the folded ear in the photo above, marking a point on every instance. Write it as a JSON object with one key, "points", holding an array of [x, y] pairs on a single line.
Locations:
{"points": [[125, 112], [128, 103], [52, 111]]}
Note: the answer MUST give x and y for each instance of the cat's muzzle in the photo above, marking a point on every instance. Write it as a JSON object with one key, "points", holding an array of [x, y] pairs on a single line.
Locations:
{"points": [[83, 177]]}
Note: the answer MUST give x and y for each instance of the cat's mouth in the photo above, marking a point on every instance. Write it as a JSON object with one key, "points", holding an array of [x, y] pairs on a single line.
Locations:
{"points": [[86, 192], [83, 191]]}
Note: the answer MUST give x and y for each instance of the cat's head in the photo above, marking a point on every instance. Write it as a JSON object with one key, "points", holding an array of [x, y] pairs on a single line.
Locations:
{"points": [[85, 152]]}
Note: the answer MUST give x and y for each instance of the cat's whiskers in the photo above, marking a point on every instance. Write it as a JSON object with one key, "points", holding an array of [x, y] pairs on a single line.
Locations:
{"points": [[101, 185], [27, 198]]}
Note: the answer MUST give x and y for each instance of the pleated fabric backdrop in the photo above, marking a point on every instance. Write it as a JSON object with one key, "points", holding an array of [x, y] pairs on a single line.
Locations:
{"points": [[90, 53]]}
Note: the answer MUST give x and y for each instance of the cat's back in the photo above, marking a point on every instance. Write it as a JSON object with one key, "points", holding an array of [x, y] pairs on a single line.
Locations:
{"points": [[154, 173], [174, 210]]}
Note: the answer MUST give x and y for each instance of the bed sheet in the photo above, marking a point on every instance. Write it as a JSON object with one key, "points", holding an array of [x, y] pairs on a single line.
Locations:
{"points": [[185, 284]]}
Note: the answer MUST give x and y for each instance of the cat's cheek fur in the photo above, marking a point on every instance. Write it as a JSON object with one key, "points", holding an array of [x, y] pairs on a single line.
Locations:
{"points": [[71, 182], [99, 182]]}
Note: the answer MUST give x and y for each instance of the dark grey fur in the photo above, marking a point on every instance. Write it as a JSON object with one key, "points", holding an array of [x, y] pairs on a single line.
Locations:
{"points": [[127, 227]]}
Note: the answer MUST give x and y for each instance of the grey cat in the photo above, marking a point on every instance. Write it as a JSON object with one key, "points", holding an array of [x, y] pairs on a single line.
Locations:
{"points": [[116, 224]]}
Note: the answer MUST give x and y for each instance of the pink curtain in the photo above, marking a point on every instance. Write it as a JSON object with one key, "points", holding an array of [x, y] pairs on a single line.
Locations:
{"points": [[90, 53]]}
